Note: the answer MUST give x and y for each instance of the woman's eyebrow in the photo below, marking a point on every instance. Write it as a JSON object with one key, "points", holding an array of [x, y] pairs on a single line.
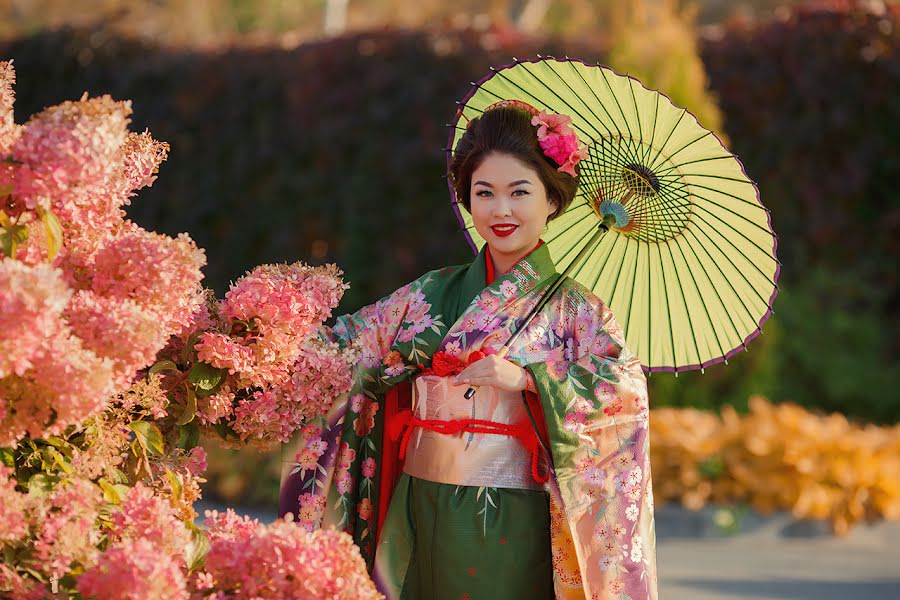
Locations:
{"points": [[513, 184]]}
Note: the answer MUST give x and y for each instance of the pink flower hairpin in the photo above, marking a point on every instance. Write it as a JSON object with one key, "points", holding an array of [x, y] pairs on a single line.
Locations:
{"points": [[555, 135]]}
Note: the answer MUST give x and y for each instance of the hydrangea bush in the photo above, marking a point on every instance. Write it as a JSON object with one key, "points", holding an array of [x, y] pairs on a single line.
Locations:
{"points": [[114, 360]]}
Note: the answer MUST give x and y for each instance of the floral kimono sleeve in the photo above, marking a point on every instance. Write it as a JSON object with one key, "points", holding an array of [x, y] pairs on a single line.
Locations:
{"points": [[594, 397], [373, 330], [330, 476]]}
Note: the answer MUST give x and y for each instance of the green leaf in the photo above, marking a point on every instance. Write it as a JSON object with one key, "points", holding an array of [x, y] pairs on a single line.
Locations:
{"points": [[54, 231], [118, 475], [40, 484], [11, 238], [711, 467], [111, 492], [205, 377], [223, 430], [163, 365], [8, 457], [55, 441], [189, 436], [149, 436], [190, 409], [177, 488], [62, 461], [189, 346], [34, 573], [196, 550]]}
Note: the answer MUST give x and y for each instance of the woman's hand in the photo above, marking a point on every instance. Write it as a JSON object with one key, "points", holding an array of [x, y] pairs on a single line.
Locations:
{"points": [[495, 371]]}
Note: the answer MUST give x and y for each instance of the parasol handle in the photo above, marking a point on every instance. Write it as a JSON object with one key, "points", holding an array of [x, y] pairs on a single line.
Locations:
{"points": [[504, 350]]}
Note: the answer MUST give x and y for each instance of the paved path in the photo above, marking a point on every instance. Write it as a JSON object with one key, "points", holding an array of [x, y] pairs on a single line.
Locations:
{"points": [[797, 569], [773, 558]]}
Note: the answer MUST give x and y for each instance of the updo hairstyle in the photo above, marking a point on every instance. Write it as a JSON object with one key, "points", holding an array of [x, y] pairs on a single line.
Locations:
{"points": [[509, 131]]}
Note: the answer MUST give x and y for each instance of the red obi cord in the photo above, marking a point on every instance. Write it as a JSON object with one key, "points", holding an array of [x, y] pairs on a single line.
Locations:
{"points": [[404, 422]]}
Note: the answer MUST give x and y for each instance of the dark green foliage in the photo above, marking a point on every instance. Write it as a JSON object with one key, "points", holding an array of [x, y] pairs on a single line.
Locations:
{"points": [[812, 108], [334, 152]]}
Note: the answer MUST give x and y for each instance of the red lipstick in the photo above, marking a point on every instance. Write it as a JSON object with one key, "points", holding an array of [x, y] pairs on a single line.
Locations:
{"points": [[504, 229]]}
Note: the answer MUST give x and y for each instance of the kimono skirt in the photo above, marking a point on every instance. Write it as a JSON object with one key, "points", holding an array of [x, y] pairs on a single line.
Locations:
{"points": [[467, 503]]}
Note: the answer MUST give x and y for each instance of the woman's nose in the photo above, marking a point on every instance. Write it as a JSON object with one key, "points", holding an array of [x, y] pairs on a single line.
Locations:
{"points": [[502, 207]]}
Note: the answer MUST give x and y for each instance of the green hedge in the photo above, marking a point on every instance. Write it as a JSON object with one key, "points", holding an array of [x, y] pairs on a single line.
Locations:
{"points": [[329, 152], [333, 151]]}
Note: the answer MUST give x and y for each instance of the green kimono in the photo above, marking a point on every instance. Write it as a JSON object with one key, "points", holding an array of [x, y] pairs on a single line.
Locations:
{"points": [[587, 534]]}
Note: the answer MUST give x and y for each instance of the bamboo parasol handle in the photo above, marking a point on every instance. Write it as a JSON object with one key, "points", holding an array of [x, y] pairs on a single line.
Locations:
{"points": [[504, 350]]}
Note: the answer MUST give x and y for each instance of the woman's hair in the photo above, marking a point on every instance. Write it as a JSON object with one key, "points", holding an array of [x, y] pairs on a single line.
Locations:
{"points": [[509, 131]]}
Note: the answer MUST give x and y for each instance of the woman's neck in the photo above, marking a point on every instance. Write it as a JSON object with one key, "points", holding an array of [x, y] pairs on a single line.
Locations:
{"points": [[504, 262]]}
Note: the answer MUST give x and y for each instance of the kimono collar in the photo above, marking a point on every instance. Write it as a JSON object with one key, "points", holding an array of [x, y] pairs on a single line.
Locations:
{"points": [[531, 270], [490, 276]]}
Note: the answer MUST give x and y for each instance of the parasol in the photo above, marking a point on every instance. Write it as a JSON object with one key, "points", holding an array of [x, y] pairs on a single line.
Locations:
{"points": [[667, 229]]}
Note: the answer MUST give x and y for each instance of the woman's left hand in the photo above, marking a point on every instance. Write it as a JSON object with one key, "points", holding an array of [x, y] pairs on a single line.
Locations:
{"points": [[495, 371]]}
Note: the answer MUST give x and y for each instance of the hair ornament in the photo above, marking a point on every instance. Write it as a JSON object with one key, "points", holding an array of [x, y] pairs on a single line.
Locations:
{"points": [[555, 135]]}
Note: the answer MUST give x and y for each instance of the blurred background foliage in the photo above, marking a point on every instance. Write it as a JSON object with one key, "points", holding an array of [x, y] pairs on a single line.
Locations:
{"points": [[301, 133]]}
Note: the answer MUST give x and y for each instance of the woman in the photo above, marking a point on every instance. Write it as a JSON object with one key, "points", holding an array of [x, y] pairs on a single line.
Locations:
{"points": [[491, 497]]}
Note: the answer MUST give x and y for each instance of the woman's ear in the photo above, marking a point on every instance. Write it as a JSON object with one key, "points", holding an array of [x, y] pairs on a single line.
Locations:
{"points": [[554, 202]]}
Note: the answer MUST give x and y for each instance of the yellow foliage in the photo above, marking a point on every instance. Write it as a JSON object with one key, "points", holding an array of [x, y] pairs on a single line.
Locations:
{"points": [[656, 42], [777, 457]]}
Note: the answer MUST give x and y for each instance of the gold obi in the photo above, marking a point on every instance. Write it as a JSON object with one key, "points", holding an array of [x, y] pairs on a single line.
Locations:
{"points": [[464, 458]]}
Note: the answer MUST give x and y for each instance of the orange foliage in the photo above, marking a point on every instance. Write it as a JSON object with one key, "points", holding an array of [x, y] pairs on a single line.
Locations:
{"points": [[777, 457]]}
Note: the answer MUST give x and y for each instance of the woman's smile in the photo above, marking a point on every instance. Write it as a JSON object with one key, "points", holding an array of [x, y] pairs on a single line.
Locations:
{"points": [[504, 229]]}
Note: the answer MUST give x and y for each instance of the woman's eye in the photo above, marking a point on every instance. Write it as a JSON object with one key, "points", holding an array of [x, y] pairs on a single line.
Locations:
{"points": [[483, 193], [520, 193]]}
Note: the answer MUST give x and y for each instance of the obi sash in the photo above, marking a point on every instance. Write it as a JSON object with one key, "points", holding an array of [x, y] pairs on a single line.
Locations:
{"points": [[487, 440]]}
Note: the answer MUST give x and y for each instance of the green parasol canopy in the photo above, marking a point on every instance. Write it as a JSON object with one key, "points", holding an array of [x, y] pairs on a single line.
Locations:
{"points": [[690, 272]]}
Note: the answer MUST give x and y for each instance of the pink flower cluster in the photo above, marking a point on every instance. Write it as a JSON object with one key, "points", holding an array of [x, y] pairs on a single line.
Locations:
{"points": [[87, 300], [277, 306], [12, 508], [280, 375], [558, 140], [248, 560], [134, 570], [48, 379], [76, 330], [62, 526], [143, 515], [7, 98]]}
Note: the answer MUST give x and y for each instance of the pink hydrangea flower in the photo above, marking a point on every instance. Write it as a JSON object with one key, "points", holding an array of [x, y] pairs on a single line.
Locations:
{"points": [[143, 515], [142, 157], [65, 385], [118, 329], [31, 303], [170, 289], [285, 561], [134, 570], [13, 523], [8, 127]]}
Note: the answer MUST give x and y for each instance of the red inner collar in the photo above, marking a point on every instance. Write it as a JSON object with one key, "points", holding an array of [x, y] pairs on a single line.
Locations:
{"points": [[489, 264]]}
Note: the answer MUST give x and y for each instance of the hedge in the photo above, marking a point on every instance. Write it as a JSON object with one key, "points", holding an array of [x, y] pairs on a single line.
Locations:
{"points": [[333, 152]]}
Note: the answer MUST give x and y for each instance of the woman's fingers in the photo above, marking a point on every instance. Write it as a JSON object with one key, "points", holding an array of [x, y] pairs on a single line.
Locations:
{"points": [[494, 371]]}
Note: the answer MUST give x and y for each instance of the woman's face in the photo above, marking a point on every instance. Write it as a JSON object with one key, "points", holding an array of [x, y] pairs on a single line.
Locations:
{"points": [[509, 206]]}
